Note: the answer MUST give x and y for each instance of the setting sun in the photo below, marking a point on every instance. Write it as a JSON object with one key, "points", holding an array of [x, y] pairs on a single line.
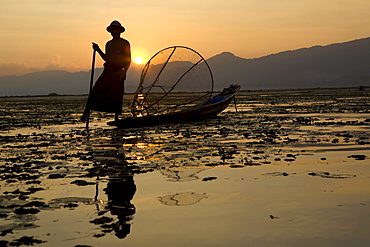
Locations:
{"points": [[138, 60]]}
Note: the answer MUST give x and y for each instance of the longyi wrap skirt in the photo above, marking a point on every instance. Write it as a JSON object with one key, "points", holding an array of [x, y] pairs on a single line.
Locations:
{"points": [[107, 93]]}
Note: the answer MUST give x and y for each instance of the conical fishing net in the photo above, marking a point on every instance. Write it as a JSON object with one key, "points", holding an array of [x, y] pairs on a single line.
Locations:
{"points": [[173, 79]]}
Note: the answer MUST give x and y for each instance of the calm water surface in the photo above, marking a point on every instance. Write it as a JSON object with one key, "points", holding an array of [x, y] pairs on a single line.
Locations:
{"points": [[288, 169]]}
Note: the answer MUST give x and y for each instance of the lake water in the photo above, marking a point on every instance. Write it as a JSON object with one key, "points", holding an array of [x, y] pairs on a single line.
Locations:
{"points": [[283, 168]]}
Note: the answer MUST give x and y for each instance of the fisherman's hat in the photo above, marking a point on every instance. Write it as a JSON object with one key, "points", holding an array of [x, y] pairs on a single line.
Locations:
{"points": [[115, 24]]}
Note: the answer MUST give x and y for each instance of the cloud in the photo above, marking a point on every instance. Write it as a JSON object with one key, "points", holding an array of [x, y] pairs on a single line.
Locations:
{"points": [[74, 67], [55, 64], [7, 69]]}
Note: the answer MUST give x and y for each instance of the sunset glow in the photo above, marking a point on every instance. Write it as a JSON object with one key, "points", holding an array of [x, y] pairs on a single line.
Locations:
{"points": [[248, 29], [138, 60]]}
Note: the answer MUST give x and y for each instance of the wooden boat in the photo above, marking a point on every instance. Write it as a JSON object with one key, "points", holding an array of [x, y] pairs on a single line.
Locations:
{"points": [[208, 108]]}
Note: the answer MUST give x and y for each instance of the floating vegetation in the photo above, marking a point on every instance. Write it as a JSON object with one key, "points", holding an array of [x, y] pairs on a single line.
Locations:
{"points": [[358, 157], [182, 199], [329, 175]]}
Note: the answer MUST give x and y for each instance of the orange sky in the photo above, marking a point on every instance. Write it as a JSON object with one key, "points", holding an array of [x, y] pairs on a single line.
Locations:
{"points": [[57, 34]]}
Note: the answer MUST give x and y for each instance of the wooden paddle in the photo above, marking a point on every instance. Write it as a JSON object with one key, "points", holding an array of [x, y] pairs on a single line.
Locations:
{"points": [[91, 86]]}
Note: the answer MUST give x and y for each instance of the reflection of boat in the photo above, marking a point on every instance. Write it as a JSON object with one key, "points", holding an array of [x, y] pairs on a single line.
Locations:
{"points": [[207, 108]]}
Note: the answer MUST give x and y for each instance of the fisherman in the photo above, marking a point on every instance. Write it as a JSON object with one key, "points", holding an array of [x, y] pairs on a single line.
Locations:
{"points": [[107, 94]]}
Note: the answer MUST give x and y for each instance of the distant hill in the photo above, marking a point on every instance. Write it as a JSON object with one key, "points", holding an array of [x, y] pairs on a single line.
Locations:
{"points": [[60, 82], [337, 65]]}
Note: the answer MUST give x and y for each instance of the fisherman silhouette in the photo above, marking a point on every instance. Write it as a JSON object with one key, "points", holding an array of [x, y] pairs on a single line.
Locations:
{"points": [[107, 93]]}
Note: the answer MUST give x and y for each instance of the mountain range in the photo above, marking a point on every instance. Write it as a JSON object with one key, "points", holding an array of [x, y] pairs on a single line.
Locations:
{"points": [[337, 65]]}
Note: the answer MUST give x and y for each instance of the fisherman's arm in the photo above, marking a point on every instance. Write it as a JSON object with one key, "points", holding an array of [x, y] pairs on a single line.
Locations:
{"points": [[97, 48], [127, 60]]}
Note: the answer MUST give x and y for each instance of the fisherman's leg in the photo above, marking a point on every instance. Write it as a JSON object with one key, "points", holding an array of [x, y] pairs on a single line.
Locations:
{"points": [[116, 116]]}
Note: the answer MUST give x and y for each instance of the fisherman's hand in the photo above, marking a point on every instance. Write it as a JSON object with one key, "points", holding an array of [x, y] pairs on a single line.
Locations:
{"points": [[95, 47]]}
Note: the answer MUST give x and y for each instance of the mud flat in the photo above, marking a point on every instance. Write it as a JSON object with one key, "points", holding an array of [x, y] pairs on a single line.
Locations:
{"points": [[290, 168]]}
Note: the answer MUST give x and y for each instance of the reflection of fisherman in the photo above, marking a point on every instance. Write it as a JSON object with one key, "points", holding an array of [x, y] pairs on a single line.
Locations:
{"points": [[107, 94], [120, 193]]}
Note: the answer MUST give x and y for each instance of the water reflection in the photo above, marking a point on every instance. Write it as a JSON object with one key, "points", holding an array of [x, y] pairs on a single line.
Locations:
{"points": [[120, 193], [120, 155]]}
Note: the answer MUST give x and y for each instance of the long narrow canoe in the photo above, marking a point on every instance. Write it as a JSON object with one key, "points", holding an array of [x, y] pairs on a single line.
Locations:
{"points": [[208, 108]]}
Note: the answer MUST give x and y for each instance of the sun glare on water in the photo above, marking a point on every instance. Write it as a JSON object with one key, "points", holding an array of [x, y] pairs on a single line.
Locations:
{"points": [[138, 60]]}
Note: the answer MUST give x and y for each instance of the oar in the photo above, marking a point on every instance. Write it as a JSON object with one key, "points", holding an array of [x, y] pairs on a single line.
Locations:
{"points": [[91, 85], [236, 109]]}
